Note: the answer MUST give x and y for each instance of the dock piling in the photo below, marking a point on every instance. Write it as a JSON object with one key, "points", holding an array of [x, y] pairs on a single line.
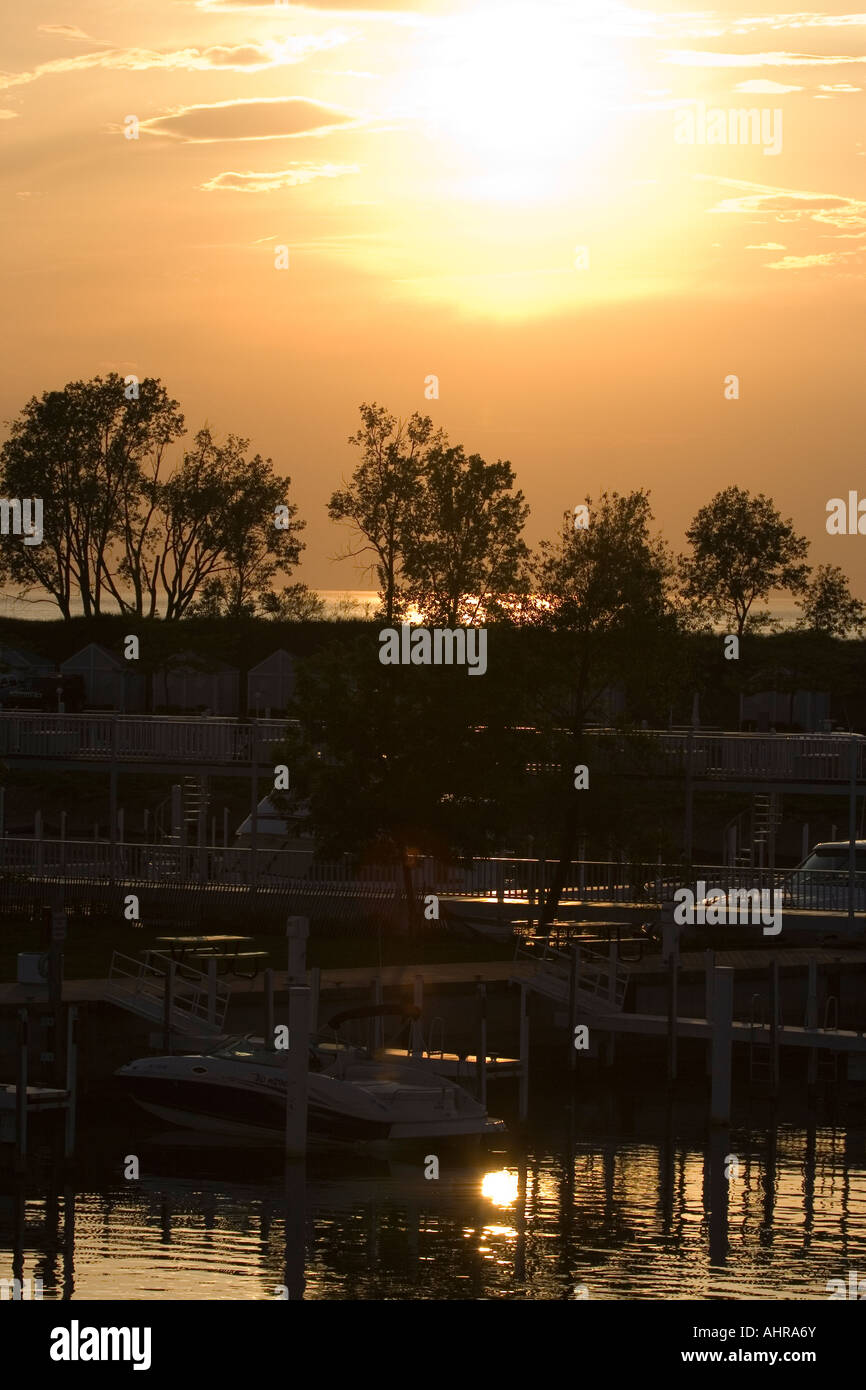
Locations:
{"points": [[416, 1041], [523, 1089], [296, 1083], [481, 1058], [21, 1089], [71, 1080], [723, 1017], [269, 1004]]}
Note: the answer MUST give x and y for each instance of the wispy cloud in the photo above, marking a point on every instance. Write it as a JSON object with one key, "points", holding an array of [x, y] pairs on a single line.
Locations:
{"points": [[821, 258], [768, 246], [266, 118], [763, 86], [296, 175], [696, 58], [847, 215], [247, 57]]}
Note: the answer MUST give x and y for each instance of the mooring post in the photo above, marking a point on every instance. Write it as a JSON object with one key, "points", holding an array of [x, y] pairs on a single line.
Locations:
{"points": [[315, 987], [297, 931], [416, 1039], [812, 1020], [723, 1017], [212, 990], [296, 1080], [481, 1055], [573, 989], [168, 1003], [689, 818], [709, 977], [613, 964], [71, 1079], [672, 1018], [269, 1007], [523, 1087], [852, 830], [377, 1023], [775, 1008], [21, 1088]]}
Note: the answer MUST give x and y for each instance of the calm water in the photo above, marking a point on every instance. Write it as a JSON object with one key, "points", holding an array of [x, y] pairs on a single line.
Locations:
{"points": [[614, 1200]]}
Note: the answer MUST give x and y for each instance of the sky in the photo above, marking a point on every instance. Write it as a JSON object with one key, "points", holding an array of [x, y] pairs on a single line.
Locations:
{"points": [[537, 203]]}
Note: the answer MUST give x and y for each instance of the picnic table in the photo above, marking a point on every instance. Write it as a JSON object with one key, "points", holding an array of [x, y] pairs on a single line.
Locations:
{"points": [[220, 947], [216, 944]]}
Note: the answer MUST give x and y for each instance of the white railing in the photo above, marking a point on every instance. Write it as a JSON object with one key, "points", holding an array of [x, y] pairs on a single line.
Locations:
{"points": [[126, 738], [504, 881], [197, 1005]]}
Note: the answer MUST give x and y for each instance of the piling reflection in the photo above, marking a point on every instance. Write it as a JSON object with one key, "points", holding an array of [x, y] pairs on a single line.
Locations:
{"points": [[753, 1212]]}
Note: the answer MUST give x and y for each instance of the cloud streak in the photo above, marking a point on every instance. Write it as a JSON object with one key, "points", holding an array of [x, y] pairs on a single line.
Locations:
{"points": [[247, 57], [296, 175], [265, 118]]}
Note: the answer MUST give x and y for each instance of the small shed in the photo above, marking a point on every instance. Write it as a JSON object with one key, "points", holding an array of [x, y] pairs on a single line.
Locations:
{"points": [[271, 684], [14, 662], [806, 711], [189, 681], [109, 682]]}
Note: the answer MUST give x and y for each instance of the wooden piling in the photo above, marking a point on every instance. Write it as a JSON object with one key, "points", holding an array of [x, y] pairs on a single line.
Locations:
{"points": [[723, 1017], [212, 993], [296, 1079], [709, 976], [775, 1010], [481, 1052], [673, 992], [168, 1004], [21, 1078], [811, 1020], [573, 988], [377, 1023], [523, 1089], [71, 1080], [315, 988], [269, 1005], [416, 1043]]}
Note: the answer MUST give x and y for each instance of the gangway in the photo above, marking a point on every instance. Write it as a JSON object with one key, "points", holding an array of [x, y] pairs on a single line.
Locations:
{"points": [[197, 1001], [601, 980]]}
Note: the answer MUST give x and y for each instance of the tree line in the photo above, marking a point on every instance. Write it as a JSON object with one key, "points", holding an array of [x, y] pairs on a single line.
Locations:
{"points": [[215, 533]]}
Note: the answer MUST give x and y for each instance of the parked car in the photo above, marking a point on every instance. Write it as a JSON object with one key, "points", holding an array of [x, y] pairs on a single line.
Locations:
{"points": [[821, 882]]}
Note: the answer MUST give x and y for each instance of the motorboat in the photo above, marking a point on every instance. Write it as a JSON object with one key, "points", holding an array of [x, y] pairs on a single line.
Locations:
{"points": [[239, 1088]]}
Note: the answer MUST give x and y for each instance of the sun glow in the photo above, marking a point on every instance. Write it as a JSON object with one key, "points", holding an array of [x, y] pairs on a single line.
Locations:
{"points": [[520, 94]]}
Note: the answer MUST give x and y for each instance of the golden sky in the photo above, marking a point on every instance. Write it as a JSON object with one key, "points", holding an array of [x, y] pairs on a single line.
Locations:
{"points": [[501, 194]]}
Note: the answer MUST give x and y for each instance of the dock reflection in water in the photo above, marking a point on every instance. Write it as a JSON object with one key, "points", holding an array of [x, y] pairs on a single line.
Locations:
{"points": [[581, 1213]]}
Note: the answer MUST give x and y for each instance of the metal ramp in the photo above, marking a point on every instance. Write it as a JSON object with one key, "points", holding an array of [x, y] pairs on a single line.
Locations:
{"points": [[601, 980], [198, 1003]]}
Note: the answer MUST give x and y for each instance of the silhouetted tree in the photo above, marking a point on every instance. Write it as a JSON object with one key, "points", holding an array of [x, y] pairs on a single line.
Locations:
{"points": [[742, 550], [382, 490]]}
